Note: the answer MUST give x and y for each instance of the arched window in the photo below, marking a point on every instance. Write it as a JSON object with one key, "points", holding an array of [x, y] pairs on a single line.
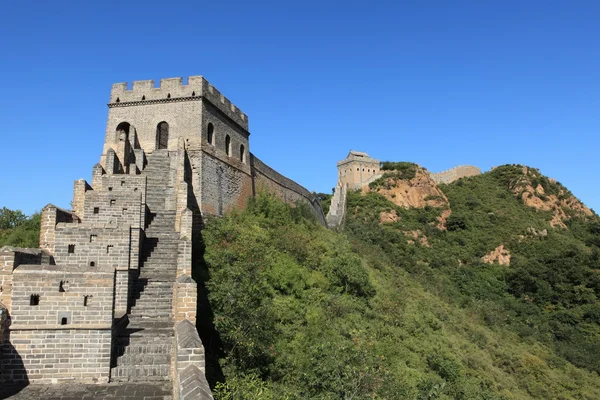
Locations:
{"points": [[209, 133], [242, 153], [123, 131], [227, 145], [162, 135]]}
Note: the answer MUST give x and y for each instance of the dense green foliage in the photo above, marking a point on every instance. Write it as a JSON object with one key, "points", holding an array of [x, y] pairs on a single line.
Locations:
{"points": [[16, 229], [306, 313]]}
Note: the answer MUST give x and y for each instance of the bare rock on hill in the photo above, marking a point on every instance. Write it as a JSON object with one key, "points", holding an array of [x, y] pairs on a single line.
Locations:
{"points": [[499, 255], [416, 192], [388, 217], [546, 194]]}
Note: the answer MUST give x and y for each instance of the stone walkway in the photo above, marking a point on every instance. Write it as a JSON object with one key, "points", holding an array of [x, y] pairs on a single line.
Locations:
{"points": [[68, 391]]}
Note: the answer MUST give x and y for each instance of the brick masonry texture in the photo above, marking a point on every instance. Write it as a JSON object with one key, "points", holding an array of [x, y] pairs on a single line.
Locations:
{"points": [[109, 296]]}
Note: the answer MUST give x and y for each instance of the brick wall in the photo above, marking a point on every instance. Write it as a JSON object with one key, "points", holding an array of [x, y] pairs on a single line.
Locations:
{"points": [[455, 173], [266, 178], [57, 355], [65, 333], [52, 215], [185, 297], [225, 185], [103, 245], [189, 382]]}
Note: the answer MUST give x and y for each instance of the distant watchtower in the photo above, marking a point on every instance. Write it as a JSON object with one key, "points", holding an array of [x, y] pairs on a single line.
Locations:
{"points": [[357, 169]]}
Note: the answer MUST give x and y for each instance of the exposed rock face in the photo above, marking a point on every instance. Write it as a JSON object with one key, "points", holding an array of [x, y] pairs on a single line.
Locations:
{"points": [[388, 217], [535, 233], [499, 255], [417, 235], [416, 192], [560, 202]]}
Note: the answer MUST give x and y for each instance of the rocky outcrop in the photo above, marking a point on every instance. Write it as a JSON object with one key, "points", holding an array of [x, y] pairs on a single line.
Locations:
{"points": [[388, 217], [417, 192], [529, 187], [499, 255], [417, 236]]}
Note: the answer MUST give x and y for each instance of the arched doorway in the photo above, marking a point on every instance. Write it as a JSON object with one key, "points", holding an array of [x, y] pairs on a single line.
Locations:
{"points": [[162, 135]]}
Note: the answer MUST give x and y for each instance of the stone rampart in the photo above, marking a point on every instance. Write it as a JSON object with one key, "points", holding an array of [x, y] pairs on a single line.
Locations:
{"points": [[289, 191], [189, 382], [455, 173]]}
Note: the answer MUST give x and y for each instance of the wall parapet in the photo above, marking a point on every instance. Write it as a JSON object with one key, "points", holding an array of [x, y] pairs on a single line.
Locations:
{"points": [[455, 173], [288, 185], [173, 90], [190, 381]]}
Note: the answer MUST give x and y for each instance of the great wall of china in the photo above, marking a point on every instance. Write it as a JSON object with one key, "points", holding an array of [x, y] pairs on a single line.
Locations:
{"points": [[109, 296]]}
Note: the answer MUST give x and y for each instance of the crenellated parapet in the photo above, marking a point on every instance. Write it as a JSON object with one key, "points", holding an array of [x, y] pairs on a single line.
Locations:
{"points": [[174, 90]]}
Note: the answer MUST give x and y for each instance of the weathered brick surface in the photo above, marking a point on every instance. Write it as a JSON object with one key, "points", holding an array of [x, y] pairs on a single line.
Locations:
{"points": [[44, 281], [57, 355], [52, 215], [103, 245], [190, 381], [185, 296]]}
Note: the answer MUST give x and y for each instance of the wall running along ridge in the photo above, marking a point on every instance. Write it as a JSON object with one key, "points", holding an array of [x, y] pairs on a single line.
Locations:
{"points": [[109, 295]]}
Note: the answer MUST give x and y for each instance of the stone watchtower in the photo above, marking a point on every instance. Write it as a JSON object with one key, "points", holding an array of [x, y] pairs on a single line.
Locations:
{"points": [[357, 169], [174, 116], [354, 172], [109, 296]]}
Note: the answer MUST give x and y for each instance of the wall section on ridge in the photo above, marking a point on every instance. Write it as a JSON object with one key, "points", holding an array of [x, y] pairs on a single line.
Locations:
{"points": [[267, 178]]}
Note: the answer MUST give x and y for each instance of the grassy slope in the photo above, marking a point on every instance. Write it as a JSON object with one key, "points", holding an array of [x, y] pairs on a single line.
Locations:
{"points": [[303, 312]]}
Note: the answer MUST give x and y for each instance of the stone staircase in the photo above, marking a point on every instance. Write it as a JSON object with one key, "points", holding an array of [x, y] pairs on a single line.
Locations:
{"points": [[144, 347]]}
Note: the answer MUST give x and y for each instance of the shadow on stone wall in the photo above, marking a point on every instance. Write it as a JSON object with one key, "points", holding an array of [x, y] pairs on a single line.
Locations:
{"points": [[205, 317], [13, 375]]}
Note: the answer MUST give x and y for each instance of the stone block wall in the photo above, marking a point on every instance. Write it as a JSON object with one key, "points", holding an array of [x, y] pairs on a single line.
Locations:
{"points": [[57, 355], [62, 290], [455, 173], [189, 382], [225, 185], [52, 215], [266, 178], [11, 258], [185, 296], [61, 325], [103, 245]]}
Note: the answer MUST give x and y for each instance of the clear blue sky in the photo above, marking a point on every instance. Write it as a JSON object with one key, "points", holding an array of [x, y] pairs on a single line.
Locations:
{"points": [[440, 83]]}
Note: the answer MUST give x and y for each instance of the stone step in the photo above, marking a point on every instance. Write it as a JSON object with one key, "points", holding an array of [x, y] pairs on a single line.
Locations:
{"points": [[142, 358], [158, 302], [144, 348], [160, 276], [152, 373]]}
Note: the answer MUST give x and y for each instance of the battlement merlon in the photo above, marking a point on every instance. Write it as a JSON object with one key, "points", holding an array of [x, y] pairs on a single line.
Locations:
{"points": [[173, 89]]}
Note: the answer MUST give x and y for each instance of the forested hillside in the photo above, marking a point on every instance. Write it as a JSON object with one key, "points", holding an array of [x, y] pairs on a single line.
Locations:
{"points": [[405, 302]]}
